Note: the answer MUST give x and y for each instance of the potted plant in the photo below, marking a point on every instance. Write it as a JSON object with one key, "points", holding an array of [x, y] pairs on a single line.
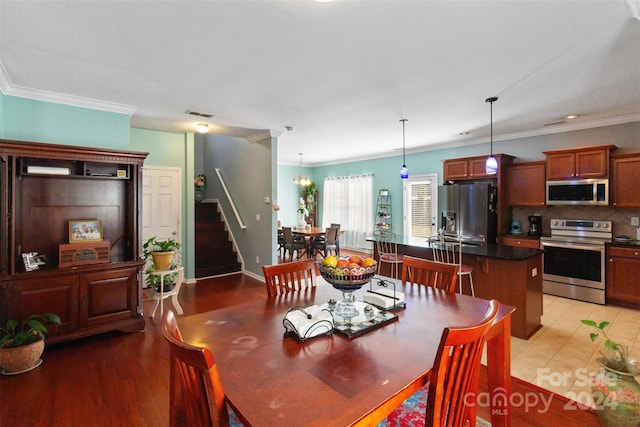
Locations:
{"points": [[21, 345], [199, 183], [160, 251], [615, 391]]}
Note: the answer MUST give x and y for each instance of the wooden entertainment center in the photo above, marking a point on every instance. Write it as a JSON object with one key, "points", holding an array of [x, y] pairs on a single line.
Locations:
{"points": [[42, 188]]}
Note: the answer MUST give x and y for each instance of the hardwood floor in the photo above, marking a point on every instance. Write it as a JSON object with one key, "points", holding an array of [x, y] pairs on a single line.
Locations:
{"points": [[118, 379]]}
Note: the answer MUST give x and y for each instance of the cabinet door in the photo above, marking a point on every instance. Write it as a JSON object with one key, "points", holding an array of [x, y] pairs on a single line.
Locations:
{"points": [[108, 296], [455, 169], [622, 276], [478, 168], [57, 295], [525, 184], [561, 166], [625, 182], [592, 164]]}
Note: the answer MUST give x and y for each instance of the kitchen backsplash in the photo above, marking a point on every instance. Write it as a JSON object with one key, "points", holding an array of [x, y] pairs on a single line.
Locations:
{"points": [[621, 218]]}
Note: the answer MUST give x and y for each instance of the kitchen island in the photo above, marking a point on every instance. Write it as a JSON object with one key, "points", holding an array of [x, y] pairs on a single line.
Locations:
{"points": [[512, 275]]}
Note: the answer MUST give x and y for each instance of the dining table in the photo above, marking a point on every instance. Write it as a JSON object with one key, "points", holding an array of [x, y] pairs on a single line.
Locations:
{"points": [[272, 378]]}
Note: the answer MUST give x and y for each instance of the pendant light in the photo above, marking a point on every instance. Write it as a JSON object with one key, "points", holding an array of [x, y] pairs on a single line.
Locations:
{"points": [[302, 180], [491, 166], [404, 171]]}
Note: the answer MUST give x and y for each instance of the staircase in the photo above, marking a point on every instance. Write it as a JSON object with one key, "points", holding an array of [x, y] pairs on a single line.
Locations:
{"points": [[214, 251]]}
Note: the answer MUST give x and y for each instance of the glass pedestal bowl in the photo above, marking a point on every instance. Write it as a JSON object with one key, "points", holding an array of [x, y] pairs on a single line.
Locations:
{"points": [[347, 280]]}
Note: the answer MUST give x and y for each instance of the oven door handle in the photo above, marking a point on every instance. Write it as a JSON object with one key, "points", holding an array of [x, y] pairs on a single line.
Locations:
{"points": [[570, 245]]}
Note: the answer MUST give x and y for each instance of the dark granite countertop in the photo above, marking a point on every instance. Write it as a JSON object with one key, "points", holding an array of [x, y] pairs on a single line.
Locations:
{"points": [[490, 250]]}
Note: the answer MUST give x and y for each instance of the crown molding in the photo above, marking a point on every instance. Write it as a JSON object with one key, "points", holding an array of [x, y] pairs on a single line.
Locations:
{"points": [[10, 89], [263, 134]]}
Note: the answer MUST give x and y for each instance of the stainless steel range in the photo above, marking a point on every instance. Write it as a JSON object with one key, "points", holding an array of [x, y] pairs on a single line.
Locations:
{"points": [[574, 262]]}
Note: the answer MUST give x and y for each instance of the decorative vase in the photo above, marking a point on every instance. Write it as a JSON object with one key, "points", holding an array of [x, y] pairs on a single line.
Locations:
{"points": [[198, 194], [616, 395], [14, 360], [301, 221]]}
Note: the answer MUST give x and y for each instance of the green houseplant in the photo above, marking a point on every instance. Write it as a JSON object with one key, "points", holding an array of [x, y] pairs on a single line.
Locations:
{"points": [[22, 344], [161, 253], [615, 391]]}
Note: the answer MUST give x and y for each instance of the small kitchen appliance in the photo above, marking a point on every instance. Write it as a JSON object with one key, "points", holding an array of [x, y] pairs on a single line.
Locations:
{"points": [[535, 225], [516, 228]]}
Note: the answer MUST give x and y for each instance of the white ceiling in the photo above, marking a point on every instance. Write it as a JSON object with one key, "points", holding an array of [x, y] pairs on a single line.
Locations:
{"points": [[342, 74]]}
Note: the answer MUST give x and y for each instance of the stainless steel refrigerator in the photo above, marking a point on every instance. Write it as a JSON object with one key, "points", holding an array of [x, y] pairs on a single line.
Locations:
{"points": [[468, 211]]}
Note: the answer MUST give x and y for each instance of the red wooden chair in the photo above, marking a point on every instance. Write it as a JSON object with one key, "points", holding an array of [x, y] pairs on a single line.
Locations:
{"points": [[196, 396], [452, 389], [289, 276], [429, 273]]}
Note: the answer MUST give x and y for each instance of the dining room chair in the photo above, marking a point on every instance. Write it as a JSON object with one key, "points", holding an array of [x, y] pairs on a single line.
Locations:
{"points": [[449, 399], [387, 248], [196, 396], [327, 244], [293, 243], [289, 276], [449, 250], [438, 275]]}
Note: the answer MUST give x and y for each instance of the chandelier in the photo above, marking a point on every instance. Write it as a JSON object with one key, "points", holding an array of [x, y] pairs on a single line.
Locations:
{"points": [[302, 180]]}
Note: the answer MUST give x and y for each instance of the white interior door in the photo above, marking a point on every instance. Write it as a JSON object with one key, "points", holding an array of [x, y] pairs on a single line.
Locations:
{"points": [[161, 203]]}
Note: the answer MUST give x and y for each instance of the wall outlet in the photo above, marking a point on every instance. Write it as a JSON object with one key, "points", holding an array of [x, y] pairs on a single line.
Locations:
{"points": [[257, 260], [257, 217], [534, 272], [635, 221]]}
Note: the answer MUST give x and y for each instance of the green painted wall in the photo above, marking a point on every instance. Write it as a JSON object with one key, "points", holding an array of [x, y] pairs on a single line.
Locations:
{"points": [[38, 121]]}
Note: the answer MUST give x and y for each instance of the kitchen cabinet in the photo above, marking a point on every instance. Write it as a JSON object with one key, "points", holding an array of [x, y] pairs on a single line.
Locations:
{"points": [[625, 180], [42, 188], [623, 270], [471, 167], [525, 184], [523, 242], [578, 163]]}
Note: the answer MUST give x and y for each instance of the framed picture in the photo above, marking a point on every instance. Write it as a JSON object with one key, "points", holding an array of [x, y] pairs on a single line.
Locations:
{"points": [[85, 230], [29, 260]]}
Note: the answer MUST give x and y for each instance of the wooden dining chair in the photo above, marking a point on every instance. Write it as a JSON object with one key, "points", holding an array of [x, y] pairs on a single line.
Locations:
{"points": [[196, 396], [290, 276], [449, 250], [429, 273], [453, 386], [387, 248]]}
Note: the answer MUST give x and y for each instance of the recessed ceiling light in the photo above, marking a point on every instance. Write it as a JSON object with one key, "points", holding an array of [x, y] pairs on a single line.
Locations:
{"points": [[202, 128], [572, 116]]}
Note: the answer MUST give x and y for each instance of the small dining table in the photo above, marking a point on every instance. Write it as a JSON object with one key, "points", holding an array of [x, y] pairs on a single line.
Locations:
{"points": [[272, 378]]}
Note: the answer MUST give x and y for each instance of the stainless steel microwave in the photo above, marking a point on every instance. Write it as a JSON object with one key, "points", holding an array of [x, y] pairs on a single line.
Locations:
{"points": [[590, 192]]}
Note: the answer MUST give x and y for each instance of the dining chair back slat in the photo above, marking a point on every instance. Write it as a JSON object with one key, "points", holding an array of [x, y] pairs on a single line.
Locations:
{"points": [[438, 275], [289, 277]]}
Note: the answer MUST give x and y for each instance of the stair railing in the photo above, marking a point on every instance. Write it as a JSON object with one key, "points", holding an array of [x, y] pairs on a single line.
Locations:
{"points": [[230, 232], [233, 205]]}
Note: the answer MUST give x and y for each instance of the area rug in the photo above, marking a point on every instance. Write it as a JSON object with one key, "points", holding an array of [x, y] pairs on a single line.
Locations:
{"points": [[412, 412]]}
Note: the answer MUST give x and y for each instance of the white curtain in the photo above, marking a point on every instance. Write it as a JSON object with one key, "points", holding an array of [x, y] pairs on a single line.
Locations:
{"points": [[348, 201]]}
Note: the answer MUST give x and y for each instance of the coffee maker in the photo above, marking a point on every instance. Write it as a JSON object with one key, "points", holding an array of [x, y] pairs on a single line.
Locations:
{"points": [[535, 225]]}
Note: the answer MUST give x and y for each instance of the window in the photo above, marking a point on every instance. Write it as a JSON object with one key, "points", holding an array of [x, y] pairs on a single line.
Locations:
{"points": [[348, 201], [420, 206]]}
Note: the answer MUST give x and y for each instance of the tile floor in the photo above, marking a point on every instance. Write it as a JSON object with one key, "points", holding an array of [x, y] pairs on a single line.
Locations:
{"points": [[560, 356]]}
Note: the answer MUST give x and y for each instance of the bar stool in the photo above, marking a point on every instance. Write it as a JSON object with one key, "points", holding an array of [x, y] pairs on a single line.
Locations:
{"points": [[449, 250]]}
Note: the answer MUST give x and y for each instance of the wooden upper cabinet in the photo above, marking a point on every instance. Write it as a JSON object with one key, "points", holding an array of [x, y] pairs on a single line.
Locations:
{"points": [[471, 167], [625, 180], [525, 184], [579, 163]]}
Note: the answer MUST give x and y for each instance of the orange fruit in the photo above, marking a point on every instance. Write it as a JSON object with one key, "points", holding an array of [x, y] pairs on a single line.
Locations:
{"points": [[367, 262], [342, 262], [355, 259]]}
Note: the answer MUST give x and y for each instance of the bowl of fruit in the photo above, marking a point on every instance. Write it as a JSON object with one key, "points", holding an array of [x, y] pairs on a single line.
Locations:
{"points": [[348, 274]]}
